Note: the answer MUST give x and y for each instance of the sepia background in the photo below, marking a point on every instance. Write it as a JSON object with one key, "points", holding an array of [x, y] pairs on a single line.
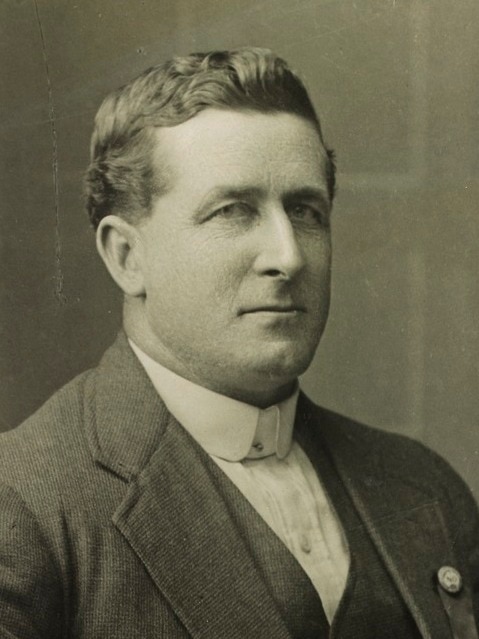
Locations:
{"points": [[396, 85]]}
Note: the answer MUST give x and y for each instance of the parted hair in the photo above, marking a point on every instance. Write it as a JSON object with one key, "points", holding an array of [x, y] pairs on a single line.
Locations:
{"points": [[121, 178]]}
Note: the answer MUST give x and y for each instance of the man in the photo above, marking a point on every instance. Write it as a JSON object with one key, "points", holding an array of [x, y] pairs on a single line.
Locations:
{"points": [[186, 487]]}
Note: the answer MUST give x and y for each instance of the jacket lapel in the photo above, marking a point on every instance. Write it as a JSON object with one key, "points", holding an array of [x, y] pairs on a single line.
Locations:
{"points": [[173, 516], [404, 522]]}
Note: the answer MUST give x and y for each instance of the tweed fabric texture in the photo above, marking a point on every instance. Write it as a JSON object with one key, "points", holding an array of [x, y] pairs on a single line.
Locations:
{"points": [[112, 526]]}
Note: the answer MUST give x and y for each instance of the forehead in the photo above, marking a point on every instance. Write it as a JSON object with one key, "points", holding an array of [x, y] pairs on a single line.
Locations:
{"points": [[241, 148]]}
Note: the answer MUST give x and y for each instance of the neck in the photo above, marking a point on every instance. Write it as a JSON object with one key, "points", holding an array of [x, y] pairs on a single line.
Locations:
{"points": [[261, 395]]}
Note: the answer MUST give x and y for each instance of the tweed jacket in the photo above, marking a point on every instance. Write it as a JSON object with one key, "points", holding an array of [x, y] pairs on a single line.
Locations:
{"points": [[111, 526]]}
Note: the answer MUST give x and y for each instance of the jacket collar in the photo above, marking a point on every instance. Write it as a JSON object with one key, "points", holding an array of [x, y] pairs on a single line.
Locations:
{"points": [[125, 418], [173, 516]]}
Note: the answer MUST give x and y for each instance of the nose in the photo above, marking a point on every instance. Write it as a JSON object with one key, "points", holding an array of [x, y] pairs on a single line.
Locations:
{"points": [[280, 254]]}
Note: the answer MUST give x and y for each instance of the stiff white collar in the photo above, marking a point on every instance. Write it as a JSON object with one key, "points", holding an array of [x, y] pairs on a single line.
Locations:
{"points": [[222, 426]]}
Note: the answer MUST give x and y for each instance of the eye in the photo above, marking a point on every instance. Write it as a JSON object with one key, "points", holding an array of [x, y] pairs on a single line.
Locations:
{"points": [[309, 214], [234, 209]]}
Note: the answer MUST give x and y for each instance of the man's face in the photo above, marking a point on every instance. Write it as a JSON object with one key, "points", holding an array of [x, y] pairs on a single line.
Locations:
{"points": [[236, 255]]}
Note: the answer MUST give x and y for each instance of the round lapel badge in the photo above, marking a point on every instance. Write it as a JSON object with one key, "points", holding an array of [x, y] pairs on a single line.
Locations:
{"points": [[449, 579]]}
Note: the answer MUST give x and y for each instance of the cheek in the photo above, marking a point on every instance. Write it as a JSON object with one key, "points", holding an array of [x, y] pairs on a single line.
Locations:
{"points": [[217, 270], [193, 281], [318, 258]]}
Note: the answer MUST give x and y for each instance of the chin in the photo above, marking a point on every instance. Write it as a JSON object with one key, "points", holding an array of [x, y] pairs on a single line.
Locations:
{"points": [[282, 364]]}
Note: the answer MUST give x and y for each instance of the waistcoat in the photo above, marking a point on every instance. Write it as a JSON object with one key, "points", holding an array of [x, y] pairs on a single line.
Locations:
{"points": [[371, 607]]}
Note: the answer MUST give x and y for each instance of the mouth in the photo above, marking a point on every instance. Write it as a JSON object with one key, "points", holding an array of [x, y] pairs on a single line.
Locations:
{"points": [[288, 309]]}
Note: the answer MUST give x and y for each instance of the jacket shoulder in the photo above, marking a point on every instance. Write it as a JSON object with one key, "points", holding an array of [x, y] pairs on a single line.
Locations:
{"points": [[370, 439], [393, 455], [47, 437]]}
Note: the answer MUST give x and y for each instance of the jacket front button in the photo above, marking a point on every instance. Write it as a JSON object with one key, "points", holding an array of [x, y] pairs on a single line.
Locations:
{"points": [[449, 579]]}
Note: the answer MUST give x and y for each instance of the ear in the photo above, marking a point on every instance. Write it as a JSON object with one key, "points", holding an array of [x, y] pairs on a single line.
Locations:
{"points": [[119, 245]]}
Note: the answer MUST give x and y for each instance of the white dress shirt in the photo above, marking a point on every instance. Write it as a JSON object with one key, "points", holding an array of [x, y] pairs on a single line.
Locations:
{"points": [[254, 447]]}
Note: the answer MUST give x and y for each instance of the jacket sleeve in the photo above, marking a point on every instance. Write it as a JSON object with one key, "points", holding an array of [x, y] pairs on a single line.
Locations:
{"points": [[30, 588]]}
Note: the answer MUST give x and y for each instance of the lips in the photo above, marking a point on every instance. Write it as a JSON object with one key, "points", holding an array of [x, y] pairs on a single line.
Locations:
{"points": [[274, 308]]}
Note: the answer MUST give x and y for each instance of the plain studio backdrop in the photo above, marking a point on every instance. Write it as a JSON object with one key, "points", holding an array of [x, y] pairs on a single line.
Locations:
{"points": [[396, 85]]}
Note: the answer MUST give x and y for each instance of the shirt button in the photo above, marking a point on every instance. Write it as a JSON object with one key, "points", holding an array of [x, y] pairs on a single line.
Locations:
{"points": [[305, 544], [449, 579]]}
